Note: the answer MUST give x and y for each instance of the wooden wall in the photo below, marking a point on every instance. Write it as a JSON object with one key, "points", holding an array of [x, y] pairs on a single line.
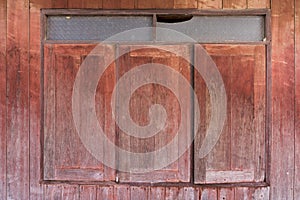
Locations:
{"points": [[20, 104]]}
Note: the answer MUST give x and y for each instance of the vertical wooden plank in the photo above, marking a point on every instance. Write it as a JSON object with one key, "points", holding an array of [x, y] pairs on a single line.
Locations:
{"points": [[209, 194], [105, 192], [3, 77], [258, 3], [138, 193], [143, 4], [118, 4], [248, 193], [185, 3], [157, 193], [226, 194], [234, 4], [17, 99], [36, 189], [210, 4], [88, 192], [52, 192], [188, 193], [172, 193], [297, 98], [70, 192], [283, 104], [122, 192]]}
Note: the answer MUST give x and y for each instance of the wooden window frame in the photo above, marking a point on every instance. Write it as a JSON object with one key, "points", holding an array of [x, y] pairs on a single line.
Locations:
{"points": [[266, 13]]}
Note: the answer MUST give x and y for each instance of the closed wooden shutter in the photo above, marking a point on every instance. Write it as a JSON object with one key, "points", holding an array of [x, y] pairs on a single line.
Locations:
{"points": [[239, 155], [146, 96], [65, 157]]}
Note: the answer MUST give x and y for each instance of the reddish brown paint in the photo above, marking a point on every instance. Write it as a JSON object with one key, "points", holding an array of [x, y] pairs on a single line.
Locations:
{"points": [[283, 102], [3, 152], [281, 183]]}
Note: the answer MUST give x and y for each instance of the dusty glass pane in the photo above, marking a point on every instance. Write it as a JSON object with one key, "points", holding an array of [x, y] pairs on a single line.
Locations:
{"points": [[215, 29], [98, 27]]}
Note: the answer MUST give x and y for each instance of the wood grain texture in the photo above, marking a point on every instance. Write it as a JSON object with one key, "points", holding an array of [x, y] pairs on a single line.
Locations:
{"points": [[52, 192], [81, 4], [88, 192], [234, 4], [122, 192], [59, 3], [239, 155], [209, 194], [297, 98], [118, 4], [70, 192], [141, 101], [63, 61], [258, 3], [18, 99], [138, 193], [3, 152], [185, 4], [283, 103], [210, 4], [36, 189], [157, 4]]}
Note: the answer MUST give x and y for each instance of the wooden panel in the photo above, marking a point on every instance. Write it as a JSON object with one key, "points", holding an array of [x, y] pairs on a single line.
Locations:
{"points": [[235, 4], [52, 192], [137, 193], [70, 192], [226, 194], [122, 192], [140, 102], [172, 193], [283, 103], [185, 3], [88, 192], [3, 99], [143, 4], [239, 155], [262, 193], [258, 3], [157, 193], [118, 4], [190, 193], [17, 100], [105, 192], [209, 194], [297, 98], [60, 135], [85, 4], [210, 4]]}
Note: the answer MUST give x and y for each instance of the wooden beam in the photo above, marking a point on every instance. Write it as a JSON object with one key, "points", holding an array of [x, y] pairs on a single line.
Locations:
{"points": [[282, 121]]}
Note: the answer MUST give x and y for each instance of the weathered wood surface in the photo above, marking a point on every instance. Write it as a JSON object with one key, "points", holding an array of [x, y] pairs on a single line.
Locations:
{"points": [[141, 101], [3, 21], [239, 155], [126, 192], [297, 101], [17, 99], [283, 102], [65, 157], [234, 4]]}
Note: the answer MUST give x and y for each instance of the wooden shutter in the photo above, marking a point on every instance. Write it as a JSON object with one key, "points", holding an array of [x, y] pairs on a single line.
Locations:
{"points": [[65, 157], [239, 155], [140, 103]]}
